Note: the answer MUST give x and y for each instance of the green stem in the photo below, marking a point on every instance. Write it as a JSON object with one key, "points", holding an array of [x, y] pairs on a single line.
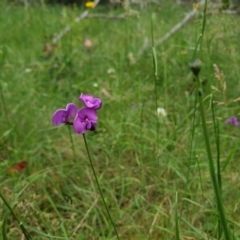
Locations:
{"points": [[154, 54], [200, 39], [211, 167], [192, 138], [98, 185], [155, 64], [177, 234], [204, 22], [72, 145], [216, 131], [26, 234], [217, 139]]}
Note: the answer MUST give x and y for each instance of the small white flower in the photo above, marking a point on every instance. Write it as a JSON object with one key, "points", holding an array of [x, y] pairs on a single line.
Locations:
{"points": [[95, 84], [161, 112], [110, 71], [131, 58], [28, 70]]}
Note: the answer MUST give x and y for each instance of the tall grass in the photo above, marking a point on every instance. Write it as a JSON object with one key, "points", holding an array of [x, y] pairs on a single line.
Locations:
{"points": [[177, 198]]}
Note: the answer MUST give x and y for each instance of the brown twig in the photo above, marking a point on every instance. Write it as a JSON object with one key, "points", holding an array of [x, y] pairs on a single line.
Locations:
{"points": [[121, 16], [85, 216], [175, 29], [145, 2], [68, 28], [230, 12]]}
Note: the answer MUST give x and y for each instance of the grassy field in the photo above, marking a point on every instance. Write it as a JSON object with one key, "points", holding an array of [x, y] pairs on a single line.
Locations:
{"points": [[153, 169]]}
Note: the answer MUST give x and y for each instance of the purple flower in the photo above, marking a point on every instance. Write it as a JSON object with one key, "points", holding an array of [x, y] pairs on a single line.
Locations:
{"points": [[63, 115], [86, 119], [90, 101], [233, 120]]}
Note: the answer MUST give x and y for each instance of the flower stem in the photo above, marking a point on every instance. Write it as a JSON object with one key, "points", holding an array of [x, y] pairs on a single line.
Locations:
{"points": [[26, 234], [211, 167], [155, 64], [98, 185], [71, 139]]}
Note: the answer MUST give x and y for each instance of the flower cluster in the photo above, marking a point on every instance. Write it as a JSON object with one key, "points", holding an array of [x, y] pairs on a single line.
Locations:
{"points": [[84, 118], [233, 120]]}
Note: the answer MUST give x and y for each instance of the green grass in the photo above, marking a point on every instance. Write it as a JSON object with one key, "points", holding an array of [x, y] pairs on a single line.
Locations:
{"points": [[56, 196]]}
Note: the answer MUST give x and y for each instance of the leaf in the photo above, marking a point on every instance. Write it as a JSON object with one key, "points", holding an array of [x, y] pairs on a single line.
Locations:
{"points": [[229, 158], [5, 134], [194, 229], [4, 234]]}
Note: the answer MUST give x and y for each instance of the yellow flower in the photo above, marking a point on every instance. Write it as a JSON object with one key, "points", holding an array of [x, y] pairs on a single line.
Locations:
{"points": [[90, 5], [195, 6]]}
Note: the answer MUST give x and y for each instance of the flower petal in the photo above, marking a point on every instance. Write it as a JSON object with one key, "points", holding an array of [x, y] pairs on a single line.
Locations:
{"points": [[88, 113], [87, 99], [79, 126], [59, 117], [86, 119], [91, 126], [90, 101], [97, 103], [71, 110], [235, 121], [232, 120]]}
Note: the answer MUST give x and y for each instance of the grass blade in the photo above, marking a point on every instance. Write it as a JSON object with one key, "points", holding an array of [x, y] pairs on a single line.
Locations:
{"points": [[4, 234], [176, 218]]}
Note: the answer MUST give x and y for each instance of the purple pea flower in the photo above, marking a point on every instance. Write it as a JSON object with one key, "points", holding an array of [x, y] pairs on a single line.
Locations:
{"points": [[86, 119], [232, 120], [63, 115], [90, 101]]}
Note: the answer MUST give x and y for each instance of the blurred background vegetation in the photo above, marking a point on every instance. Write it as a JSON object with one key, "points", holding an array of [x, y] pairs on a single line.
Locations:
{"points": [[55, 194]]}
